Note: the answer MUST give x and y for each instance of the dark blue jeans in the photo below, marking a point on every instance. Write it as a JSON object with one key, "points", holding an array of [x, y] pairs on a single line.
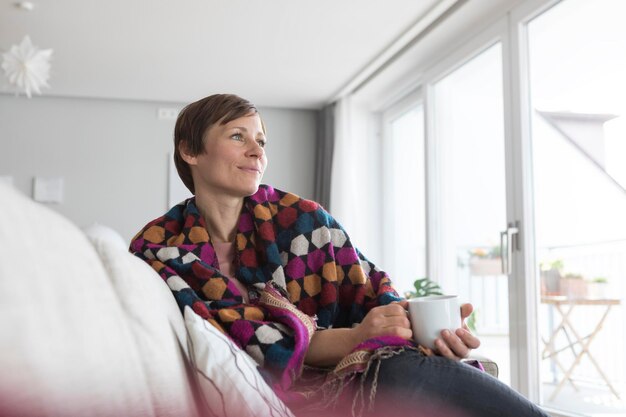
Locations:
{"points": [[411, 384]]}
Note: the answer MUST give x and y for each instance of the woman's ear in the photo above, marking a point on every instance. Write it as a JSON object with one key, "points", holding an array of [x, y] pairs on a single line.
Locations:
{"points": [[186, 156]]}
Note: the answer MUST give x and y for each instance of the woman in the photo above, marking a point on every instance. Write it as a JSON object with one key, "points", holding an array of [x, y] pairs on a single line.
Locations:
{"points": [[281, 277]]}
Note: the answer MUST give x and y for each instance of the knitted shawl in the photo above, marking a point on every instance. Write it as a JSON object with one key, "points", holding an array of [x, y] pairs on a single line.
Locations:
{"points": [[301, 268]]}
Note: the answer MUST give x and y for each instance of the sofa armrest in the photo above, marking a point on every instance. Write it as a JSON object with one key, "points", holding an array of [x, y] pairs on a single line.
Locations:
{"points": [[489, 365]]}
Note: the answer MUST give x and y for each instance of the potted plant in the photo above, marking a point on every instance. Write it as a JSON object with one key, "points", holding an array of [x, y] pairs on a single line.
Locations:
{"points": [[550, 272], [597, 288], [425, 287], [485, 261], [573, 285]]}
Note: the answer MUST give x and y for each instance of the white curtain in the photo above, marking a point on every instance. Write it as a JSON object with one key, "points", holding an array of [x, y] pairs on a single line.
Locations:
{"points": [[355, 182]]}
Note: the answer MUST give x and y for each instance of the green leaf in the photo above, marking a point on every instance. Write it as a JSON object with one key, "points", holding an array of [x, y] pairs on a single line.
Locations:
{"points": [[471, 321], [425, 287]]}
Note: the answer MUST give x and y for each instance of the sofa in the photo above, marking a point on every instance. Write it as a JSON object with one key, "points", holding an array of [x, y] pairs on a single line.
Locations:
{"points": [[90, 330]]}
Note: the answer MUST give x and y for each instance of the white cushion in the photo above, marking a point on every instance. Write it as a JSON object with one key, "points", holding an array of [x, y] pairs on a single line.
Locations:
{"points": [[230, 382], [67, 349], [156, 323], [97, 232]]}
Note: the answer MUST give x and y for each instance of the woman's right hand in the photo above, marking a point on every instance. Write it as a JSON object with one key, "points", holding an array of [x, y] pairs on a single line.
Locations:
{"points": [[329, 346], [388, 320]]}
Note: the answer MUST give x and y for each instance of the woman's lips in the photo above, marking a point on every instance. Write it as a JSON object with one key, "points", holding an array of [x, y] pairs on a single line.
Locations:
{"points": [[248, 169]]}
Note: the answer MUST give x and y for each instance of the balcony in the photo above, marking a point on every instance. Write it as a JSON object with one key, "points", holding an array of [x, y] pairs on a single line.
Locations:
{"points": [[596, 385]]}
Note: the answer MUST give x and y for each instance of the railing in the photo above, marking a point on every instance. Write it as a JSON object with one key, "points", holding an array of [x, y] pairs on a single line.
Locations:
{"points": [[488, 291], [607, 260], [483, 283]]}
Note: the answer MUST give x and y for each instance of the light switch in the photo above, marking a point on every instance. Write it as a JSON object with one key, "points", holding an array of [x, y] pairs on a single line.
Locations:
{"points": [[48, 189]]}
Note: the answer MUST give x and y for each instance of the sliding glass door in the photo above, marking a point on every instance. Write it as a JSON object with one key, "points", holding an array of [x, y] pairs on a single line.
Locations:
{"points": [[525, 140], [577, 86]]}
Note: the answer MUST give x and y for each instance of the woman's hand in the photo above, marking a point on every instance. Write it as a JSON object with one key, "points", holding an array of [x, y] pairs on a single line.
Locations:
{"points": [[458, 344], [388, 320], [329, 346]]}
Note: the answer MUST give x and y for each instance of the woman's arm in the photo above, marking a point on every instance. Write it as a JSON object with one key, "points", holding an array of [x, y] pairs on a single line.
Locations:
{"points": [[328, 347]]}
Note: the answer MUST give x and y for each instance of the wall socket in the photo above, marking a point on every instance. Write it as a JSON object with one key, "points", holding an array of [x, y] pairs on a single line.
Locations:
{"points": [[167, 113]]}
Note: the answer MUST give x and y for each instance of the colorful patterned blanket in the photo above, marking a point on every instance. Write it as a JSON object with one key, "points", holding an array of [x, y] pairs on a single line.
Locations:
{"points": [[303, 271]]}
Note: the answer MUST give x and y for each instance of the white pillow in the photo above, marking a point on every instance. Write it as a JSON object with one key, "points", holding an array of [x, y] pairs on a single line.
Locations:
{"points": [[66, 346], [97, 232], [156, 324], [229, 380]]}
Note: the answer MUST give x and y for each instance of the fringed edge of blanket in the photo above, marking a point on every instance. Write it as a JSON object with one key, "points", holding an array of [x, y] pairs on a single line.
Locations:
{"points": [[352, 372]]}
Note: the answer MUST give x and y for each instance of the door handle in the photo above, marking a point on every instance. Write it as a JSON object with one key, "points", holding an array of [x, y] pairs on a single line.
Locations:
{"points": [[506, 255]]}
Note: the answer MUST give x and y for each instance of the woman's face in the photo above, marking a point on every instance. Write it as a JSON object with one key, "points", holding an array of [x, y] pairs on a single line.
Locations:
{"points": [[233, 161]]}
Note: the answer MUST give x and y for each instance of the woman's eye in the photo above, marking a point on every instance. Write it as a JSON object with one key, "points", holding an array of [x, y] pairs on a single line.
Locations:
{"points": [[237, 137], [261, 143]]}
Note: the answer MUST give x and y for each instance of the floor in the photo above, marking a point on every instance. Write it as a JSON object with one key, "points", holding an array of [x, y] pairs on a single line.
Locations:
{"points": [[592, 399]]}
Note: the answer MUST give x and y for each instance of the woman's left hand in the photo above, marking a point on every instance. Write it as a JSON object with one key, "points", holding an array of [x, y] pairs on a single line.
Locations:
{"points": [[458, 344]]}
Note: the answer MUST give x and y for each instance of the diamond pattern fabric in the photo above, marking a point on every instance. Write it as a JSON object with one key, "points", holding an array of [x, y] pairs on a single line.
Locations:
{"points": [[300, 261]]}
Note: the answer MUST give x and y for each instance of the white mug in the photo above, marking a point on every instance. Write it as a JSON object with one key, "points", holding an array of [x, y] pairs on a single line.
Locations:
{"points": [[432, 314]]}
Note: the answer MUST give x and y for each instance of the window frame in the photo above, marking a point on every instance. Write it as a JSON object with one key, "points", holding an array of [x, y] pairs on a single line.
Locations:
{"points": [[508, 28]]}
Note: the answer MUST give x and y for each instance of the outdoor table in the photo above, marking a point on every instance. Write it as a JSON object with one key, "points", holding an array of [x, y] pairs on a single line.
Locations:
{"points": [[564, 306]]}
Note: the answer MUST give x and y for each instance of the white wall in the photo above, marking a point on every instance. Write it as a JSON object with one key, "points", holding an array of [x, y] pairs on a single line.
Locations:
{"points": [[113, 155]]}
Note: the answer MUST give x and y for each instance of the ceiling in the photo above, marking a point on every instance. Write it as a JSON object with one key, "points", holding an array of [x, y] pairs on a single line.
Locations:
{"points": [[277, 53]]}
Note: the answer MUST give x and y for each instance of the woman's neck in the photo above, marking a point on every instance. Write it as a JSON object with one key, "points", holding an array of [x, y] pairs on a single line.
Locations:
{"points": [[221, 215]]}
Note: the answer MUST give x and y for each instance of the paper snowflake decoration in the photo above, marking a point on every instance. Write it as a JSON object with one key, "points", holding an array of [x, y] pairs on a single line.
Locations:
{"points": [[27, 67]]}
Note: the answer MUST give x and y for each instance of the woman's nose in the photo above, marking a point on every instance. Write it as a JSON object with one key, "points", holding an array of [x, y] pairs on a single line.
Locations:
{"points": [[256, 150]]}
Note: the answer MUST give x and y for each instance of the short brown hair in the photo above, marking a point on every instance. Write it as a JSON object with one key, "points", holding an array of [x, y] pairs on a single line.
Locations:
{"points": [[194, 121]]}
